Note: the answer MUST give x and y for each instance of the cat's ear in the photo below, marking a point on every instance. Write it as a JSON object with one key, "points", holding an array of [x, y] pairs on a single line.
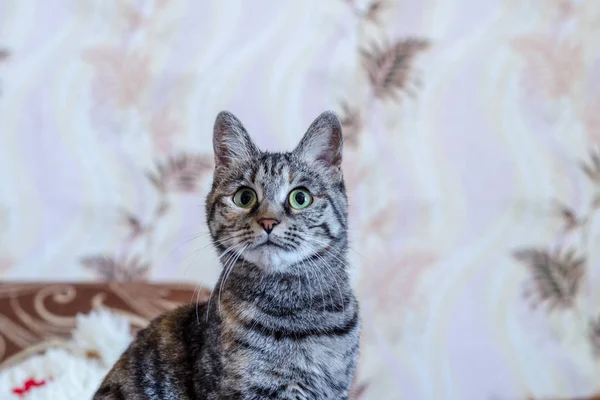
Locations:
{"points": [[323, 141], [231, 142]]}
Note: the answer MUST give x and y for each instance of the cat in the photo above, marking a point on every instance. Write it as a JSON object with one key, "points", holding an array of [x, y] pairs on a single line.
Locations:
{"points": [[282, 321]]}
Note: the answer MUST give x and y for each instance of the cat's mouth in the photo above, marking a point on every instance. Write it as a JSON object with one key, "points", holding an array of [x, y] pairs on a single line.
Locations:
{"points": [[269, 243]]}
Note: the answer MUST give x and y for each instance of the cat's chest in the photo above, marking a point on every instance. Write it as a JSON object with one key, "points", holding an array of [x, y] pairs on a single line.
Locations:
{"points": [[311, 354], [300, 371], [315, 355], [302, 363], [303, 360]]}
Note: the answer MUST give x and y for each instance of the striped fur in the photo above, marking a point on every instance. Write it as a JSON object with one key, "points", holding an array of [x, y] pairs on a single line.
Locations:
{"points": [[283, 322]]}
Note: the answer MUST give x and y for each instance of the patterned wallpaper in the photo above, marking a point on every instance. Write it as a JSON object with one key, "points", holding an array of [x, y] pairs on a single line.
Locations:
{"points": [[472, 160]]}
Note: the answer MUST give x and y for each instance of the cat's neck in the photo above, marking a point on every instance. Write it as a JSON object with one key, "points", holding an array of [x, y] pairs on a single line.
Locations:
{"points": [[316, 283]]}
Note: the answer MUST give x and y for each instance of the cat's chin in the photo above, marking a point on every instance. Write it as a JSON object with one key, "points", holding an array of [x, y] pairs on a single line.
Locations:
{"points": [[271, 258]]}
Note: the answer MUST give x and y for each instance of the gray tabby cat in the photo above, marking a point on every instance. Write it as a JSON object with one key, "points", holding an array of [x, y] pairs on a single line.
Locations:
{"points": [[283, 322]]}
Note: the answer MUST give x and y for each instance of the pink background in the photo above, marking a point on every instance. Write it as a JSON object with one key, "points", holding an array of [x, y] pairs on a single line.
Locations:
{"points": [[463, 161]]}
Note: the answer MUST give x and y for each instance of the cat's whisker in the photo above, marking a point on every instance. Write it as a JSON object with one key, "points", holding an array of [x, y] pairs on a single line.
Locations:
{"points": [[298, 267], [213, 291], [333, 275], [196, 252], [330, 248], [310, 264], [192, 238], [198, 301], [197, 287], [299, 285], [227, 273], [260, 285], [364, 258], [319, 274]]}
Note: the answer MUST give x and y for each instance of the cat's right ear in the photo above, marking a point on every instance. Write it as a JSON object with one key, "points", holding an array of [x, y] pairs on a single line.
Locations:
{"points": [[231, 142]]}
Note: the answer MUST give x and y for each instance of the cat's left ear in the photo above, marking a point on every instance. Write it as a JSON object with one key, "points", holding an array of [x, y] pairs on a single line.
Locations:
{"points": [[323, 141]]}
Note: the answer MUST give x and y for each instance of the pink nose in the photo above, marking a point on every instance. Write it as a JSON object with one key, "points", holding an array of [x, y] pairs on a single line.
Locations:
{"points": [[268, 224]]}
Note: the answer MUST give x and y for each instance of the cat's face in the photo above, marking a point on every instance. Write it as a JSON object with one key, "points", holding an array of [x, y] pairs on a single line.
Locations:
{"points": [[277, 209]]}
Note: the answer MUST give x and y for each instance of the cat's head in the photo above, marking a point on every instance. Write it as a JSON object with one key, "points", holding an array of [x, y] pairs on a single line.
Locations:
{"points": [[277, 209]]}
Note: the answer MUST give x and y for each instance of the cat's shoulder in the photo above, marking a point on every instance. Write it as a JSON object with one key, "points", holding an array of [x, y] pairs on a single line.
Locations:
{"points": [[176, 320]]}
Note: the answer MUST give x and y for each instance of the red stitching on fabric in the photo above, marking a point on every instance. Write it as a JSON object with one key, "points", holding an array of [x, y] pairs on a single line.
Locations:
{"points": [[27, 386]]}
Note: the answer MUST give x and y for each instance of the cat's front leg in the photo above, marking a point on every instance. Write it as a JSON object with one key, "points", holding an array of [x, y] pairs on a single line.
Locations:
{"points": [[299, 392], [294, 392]]}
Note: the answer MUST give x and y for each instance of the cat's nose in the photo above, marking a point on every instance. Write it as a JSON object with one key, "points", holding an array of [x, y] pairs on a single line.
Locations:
{"points": [[268, 224]]}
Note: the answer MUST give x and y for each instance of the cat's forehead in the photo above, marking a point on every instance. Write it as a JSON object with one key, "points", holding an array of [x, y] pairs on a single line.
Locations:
{"points": [[273, 172]]}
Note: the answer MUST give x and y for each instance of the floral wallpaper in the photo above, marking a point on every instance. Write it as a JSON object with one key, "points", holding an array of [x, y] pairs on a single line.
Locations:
{"points": [[472, 162]]}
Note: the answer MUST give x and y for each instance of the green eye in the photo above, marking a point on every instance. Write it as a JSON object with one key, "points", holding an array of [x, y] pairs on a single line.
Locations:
{"points": [[244, 198], [300, 198]]}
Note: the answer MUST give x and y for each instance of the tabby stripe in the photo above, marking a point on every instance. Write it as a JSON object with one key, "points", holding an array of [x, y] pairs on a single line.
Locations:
{"points": [[337, 213], [143, 370], [350, 351], [280, 169], [105, 390], [279, 334], [349, 368], [161, 380], [213, 209], [254, 172], [249, 346], [154, 368], [287, 209], [264, 392], [118, 393], [272, 166], [190, 355], [333, 304], [325, 229], [279, 312], [341, 186]]}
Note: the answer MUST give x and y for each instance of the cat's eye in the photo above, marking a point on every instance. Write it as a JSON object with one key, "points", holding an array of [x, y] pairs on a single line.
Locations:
{"points": [[245, 198], [300, 198]]}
